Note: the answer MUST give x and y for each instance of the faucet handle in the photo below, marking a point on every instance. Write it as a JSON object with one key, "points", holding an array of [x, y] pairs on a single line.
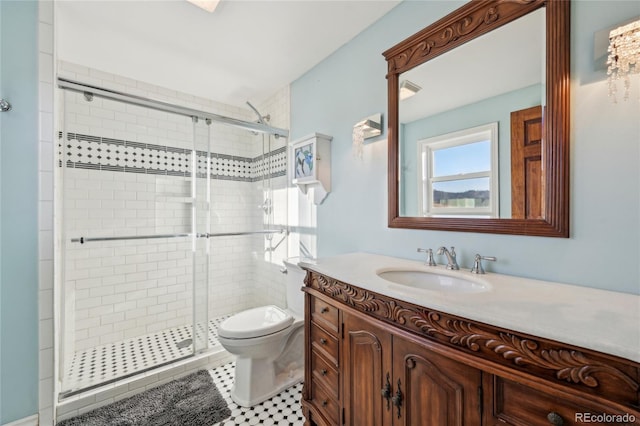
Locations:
{"points": [[477, 263], [429, 261]]}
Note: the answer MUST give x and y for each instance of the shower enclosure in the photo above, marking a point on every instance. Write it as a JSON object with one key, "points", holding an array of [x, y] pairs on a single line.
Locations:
{"points": [[164, 213]]}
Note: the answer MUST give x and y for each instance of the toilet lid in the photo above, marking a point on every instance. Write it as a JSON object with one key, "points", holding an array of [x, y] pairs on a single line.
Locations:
{"points": [[255, 322]]}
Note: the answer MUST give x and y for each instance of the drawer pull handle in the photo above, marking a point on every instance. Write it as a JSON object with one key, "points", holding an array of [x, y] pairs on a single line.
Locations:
{"points": [[555, 419], [397, 399], [386, 392], [325, 403], [323, 341], [323, 372], [324, 310]]}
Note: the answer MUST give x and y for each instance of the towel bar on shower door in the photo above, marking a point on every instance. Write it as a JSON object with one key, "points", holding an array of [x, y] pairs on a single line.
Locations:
{"points": [[83, 240]]}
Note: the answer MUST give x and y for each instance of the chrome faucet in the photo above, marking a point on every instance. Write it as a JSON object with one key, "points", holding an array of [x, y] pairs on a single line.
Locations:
{"points": [[429, 261], [477, 263], [451, 257]]}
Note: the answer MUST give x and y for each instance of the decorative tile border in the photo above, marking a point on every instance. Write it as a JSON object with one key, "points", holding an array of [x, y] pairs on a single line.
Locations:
{"points": [[117, 155]]}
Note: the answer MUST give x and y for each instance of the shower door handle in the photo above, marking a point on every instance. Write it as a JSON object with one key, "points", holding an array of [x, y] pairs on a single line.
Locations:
{"points": [[4, 105]]}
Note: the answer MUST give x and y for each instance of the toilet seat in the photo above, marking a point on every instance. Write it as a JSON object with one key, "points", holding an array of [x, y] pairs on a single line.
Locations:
{"points": [[255, 322]]}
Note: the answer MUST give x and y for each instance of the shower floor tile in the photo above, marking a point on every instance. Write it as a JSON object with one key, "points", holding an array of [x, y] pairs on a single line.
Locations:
{"points": [[282, 410], [106, 363]]}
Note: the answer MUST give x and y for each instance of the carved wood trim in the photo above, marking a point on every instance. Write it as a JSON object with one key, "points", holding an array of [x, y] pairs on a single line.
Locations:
{"points": [[470, 21], [561, 362]]}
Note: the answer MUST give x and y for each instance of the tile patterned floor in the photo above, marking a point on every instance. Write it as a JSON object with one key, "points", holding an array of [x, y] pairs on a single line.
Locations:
{"points": [[106, 363], [282, 410]]}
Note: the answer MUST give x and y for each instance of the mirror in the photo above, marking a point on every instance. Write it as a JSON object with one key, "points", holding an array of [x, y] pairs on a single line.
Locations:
{"points": [[482, 144], [444, 170]]}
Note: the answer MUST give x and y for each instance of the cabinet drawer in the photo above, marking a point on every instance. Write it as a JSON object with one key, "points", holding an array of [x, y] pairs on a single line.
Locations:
{"points": [[318, 420], [325, 314], [324, 343], [519, 405], [325, 373], [324, 403]]}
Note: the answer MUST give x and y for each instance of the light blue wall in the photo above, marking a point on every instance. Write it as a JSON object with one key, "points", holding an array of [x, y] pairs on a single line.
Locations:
{"points": [[490, 110], [604, 247], [18, 211]]}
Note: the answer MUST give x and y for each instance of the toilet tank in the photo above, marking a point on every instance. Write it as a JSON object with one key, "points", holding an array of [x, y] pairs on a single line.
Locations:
{"points": [[295, 281]]}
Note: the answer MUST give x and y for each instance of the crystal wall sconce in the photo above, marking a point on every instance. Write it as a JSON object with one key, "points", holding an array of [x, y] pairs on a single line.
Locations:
{"points": [[617, 51], [624, 56]]}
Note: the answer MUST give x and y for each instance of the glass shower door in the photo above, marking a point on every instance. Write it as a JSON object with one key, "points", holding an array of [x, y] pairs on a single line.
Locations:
{"points": [[201, 227], [134, 247]]}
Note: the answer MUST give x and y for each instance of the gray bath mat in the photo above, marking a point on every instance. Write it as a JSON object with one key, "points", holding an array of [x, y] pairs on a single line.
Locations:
{"points": [[192, 400]]}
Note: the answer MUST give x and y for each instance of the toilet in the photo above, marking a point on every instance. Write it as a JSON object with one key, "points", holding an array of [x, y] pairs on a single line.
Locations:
{"points": [[268, 343]]}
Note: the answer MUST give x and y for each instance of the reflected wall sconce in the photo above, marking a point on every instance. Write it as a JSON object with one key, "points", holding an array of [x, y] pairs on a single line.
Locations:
{"points": [[408, 89], [370, 127], [624, 57]]}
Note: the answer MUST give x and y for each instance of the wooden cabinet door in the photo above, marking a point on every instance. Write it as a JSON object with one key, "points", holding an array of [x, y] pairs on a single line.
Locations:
{"points": [[435, 390], [366, 360]]}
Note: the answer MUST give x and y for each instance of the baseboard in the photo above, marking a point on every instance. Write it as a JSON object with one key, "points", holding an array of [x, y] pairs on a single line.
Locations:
{"points": [[27, 421]]}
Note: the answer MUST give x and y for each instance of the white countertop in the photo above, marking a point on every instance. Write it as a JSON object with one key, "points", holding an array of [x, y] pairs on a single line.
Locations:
{"points": [[605, 321]]}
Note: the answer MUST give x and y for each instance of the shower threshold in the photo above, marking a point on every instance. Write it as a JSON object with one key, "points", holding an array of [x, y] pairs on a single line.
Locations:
{"points": [[102, 365]]}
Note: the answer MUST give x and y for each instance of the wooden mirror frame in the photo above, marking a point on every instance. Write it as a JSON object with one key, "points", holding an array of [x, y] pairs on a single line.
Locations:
{"points": [[464, 24]]}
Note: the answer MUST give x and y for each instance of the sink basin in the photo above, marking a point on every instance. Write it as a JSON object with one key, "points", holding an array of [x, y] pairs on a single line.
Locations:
{"points": [[433, 281]]}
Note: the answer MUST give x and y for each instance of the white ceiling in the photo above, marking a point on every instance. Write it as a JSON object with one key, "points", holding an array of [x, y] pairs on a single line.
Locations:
{"points": [[245, 50]]}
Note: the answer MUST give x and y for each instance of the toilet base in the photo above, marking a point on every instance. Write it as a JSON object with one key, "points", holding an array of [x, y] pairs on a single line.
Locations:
{"points": [[248, 393], [266, 365]]}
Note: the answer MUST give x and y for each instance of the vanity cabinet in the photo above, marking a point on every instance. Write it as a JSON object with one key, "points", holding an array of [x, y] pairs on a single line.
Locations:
{"points": [[405, 372], [322, 377], [372, 360]]}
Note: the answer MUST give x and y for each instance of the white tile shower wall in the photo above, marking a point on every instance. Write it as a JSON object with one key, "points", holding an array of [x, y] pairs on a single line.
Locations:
{"points": [[270, 282], [231, 284], [124, 289], [117, 120], [46, 215], [271, 251]]}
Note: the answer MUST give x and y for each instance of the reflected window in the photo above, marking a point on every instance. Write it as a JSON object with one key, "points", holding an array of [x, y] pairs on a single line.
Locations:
{"points": [[459, 173]]}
